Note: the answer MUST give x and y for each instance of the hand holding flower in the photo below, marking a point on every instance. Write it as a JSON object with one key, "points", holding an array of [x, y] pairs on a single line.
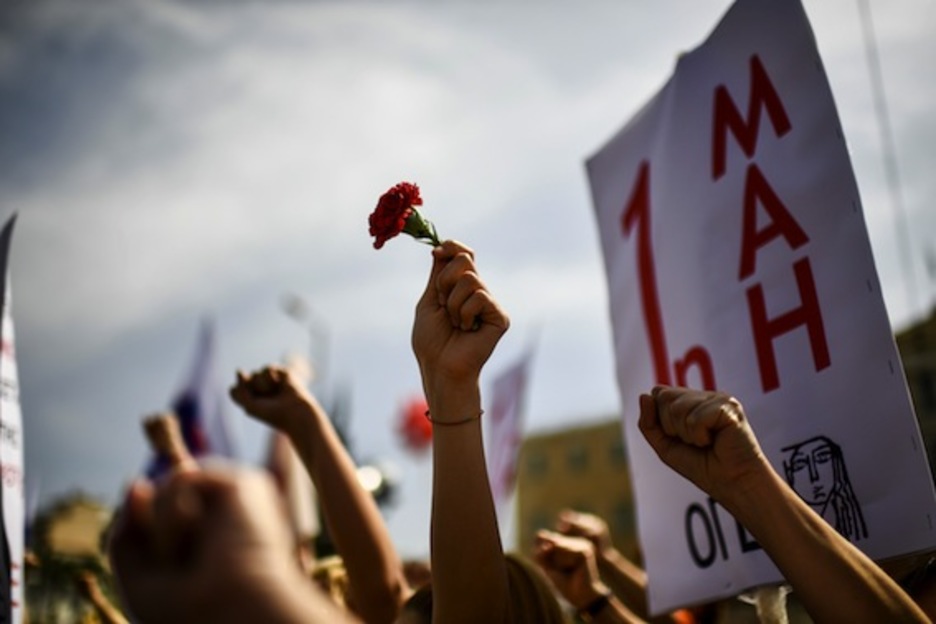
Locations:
{"points": [[458, 323]]}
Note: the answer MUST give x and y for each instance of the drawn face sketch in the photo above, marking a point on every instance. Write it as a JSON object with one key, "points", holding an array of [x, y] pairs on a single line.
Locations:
{"points": [[815, 469], [811, 471]]}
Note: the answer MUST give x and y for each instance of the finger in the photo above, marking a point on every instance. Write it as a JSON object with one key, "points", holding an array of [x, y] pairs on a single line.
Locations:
{"points": [[542, 547], [650, 427], [241, 383], [679, 403], [569, 522], [451, 248], [138, 506], [240, 391], [664, 396], [264, 383], [686, 410], [473, 313], [441, 256], [277, 372], [481, 313], [648, 419], [466, 285], [718, 412], [455, 267], [567, 556], [674, 405]]}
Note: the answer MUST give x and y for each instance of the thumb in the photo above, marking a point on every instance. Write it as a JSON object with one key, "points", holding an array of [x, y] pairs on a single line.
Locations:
{"points": [[430, 296], [649, 424]]}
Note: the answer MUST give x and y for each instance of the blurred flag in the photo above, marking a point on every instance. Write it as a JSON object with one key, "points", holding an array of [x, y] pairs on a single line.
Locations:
{"points": [[199, 406], [504, 418], [12, 500]]}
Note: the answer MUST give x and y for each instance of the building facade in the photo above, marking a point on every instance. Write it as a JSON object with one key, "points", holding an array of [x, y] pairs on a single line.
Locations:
{"points": [[582, 468]]}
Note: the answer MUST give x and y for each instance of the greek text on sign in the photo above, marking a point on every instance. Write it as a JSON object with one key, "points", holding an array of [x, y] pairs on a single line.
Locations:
{"points": [[738, 259]]}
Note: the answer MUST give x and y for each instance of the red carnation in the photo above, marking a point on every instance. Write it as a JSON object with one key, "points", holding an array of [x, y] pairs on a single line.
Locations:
{"points": [[396, 212]]}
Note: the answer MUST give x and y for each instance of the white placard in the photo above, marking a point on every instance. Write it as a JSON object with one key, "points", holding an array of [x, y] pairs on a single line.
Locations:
{"points": [[11, 446], [738, 259]]}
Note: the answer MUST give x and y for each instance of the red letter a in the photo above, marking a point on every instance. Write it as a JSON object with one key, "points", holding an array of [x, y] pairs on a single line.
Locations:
{"points": [[782, 223]]}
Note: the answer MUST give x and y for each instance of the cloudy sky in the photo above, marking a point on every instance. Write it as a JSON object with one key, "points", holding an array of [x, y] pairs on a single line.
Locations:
{"points": [[171, 161]]}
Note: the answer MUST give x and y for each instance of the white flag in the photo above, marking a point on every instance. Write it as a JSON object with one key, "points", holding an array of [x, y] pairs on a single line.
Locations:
{"points": [[11, 453], [738, 258], [504, 418]]}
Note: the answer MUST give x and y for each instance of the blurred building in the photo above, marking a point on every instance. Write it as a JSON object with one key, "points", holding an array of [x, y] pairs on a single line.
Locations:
{"points": [[584, 468], [65, 553], [917, 345]]}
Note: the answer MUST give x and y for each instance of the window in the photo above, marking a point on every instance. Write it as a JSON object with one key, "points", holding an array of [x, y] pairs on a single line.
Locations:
{"points": [[616, 453], [537, 464], [577, 458]]}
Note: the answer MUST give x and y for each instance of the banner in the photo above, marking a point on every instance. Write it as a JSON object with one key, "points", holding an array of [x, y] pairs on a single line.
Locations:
{"points": [[504, 419], [738, 259], [200, 408], [11, 452]]}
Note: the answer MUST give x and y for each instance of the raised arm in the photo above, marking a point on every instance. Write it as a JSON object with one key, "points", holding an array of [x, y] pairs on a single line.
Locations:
{"points": [[375, 571], [106, 612], [456, 328], [570, 563], [623, 576], [706, 437]]}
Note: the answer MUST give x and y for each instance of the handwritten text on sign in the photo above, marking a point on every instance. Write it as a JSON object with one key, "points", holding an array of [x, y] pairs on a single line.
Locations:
{"points": [[635, 221], [738, 260]]}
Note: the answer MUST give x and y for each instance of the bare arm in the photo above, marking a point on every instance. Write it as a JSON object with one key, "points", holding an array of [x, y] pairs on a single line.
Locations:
{"points": [[456, 328], [705, 436], [106, 611], [625, 578], [571, 565], [375, 571]]}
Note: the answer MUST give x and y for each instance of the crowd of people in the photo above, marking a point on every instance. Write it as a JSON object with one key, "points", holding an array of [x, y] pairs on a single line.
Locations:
{"points": [[212, 544]]}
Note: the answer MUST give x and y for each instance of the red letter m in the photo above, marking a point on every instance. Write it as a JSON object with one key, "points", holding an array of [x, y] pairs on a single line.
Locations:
{"points": [[727, 117]]}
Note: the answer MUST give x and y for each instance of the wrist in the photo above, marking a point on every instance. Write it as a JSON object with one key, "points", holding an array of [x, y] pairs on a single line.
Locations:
{"points": [[453, 400], [300, 415], [747, 495]]}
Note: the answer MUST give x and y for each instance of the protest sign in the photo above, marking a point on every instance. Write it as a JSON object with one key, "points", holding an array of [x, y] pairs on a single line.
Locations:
{"points": [[11, 451], [738, 259]]}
